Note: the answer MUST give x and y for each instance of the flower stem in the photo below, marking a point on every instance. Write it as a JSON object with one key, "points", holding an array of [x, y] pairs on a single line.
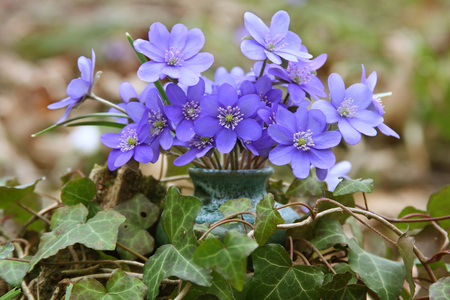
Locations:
{"points": [[106, 102], [262, 69]]}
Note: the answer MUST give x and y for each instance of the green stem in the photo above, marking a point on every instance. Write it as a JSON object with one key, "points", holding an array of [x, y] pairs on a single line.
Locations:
{"points": [[262, 69], [106, 102]]}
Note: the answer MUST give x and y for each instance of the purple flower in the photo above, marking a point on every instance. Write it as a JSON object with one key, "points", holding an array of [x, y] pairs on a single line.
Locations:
{"points": [[263, 88], [302, 141], [377, 104], [127, 144], [262, 146], [349, 108], [78, 88], [185, 109], [301, 79], [228, 117], [341, 169], [174, 54], [199, 146], [274, 42]]}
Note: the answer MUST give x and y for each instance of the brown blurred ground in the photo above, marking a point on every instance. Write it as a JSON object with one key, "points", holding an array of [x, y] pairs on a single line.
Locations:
{"points": [[406, 42]]}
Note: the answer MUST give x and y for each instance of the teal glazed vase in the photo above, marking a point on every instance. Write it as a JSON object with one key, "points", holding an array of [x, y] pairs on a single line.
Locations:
{"points": [[215, 187]]}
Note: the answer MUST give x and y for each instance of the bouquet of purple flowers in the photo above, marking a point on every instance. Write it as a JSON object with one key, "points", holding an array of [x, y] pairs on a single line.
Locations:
{"points": [[238, 120]]}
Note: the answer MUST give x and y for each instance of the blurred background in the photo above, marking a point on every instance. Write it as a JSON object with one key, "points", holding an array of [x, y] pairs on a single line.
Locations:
{"points": [[407, 42]]}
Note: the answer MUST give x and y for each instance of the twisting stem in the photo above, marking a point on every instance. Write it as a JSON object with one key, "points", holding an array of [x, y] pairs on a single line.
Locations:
{"points": [[221, 222], [131, 251], [299, 203], [302, 257], [107, 103], [184, 291], [320, 255]]}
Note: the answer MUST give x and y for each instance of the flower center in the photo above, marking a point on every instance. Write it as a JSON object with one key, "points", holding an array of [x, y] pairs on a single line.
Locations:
{"points": [[201, 142], [303, 140], [299, 74], [173, 57], [157, 122], [230, 116], [347, 109], [191, 110], [128, 140], [274, 43]]}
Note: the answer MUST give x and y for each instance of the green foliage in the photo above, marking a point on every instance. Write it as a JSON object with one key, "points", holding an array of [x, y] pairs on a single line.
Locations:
{"points": [[439, 205], [383, 276], [176, 259], [406, 248], [413, 225], [120, 286], [267, 219], [11, 294], [82, 191], [235, 205], [339, 288], [440, 289], [228, 259], [13, 271], [140, 214], [277, 278], [69, 227], [311, 186], [350, 186], [6, 250]]}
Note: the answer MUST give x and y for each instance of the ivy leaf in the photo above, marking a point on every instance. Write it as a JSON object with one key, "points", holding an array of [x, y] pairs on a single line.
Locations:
{"points": [[276, 278], [440, 289], [413, 225], [13, 193], [439, 205], [13, 271], [406, 248], [235, 205], [267, 219], [350, 186], [6, 249], [228, 259], [176, 259], [70, 227], [140, 214], [338, 288], [120, 286], [220, 288], [311, 186], [82, 191], [383, 276]]}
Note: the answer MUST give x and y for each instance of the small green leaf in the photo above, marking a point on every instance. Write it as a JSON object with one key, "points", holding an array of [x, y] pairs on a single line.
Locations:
{"points": [[68, 291], [350, 186], [10, 194], [82, 191], [413, 225], [70, 227], [267, 219], [120, 286], [11, 294], [176, 259], [310, 186], [439, 205], [440, 289], [235, 205], [6, 250], [339, 288], [406, 248], [13, 271], [228, 259], [276, 278], [141, 213]]}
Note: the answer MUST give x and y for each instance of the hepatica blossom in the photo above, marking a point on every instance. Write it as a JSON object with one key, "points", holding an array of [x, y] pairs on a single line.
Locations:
{"points": [[174, 54], [303, 141], [349, 109], [79, 88], [272, 43]]}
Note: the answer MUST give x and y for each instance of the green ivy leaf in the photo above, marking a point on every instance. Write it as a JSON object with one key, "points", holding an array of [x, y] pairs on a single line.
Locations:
{"points": [[440, 289], [308, 187], [383, 276], [235, 205], [70, 227], [339, 288], [140, 214], [406, 248], [439, 205], [120, 286], [13, 193], [228, 259], [13, 271], [413, 225], [350, 186], [82, 191], [267, 219], [176, 259], [6, 250], [276, 278]]}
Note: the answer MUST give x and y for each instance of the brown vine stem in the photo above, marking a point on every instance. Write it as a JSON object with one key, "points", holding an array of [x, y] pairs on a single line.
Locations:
{"points": [[320, 255], [299, 203], [291, 248], [131, 251], [365, 201], [444, 234], [26, 291], [303, 258], [405, 219], [34, 213], [218, 223], [184, 291]]}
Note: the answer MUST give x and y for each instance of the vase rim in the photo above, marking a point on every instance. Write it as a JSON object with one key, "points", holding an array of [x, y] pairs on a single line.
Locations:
{"points": [[265, 170]]}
